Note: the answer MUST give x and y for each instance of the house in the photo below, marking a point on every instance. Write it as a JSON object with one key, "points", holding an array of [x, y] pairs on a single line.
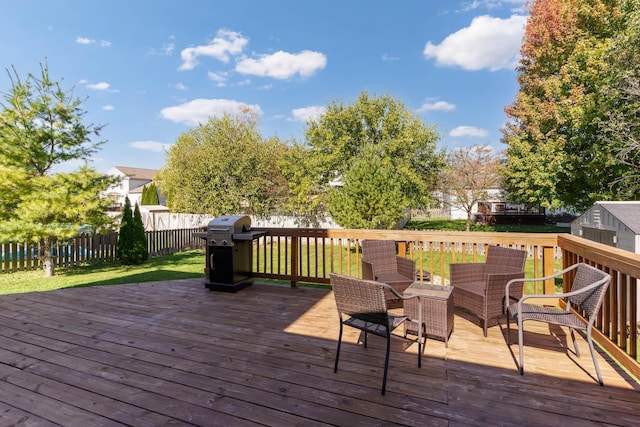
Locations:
{"points": [[615, 224], [132, 180]]}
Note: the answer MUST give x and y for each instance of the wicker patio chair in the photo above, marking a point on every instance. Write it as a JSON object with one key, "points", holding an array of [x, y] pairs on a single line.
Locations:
{"points": [[381, 263], [362, 305], [479, 287], [588, 289]]}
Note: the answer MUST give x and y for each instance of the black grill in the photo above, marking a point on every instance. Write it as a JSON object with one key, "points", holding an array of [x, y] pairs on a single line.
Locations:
{"points": [[229, 252]]}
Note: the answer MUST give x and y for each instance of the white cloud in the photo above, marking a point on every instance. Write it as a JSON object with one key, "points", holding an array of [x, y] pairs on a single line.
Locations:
{"points": [[198, 111], [487, 43], [283, 65], [305, 114], [224, 44], [219, 78], [99, 86], [387, 57], [166, 50], [108, 107], [436, 106], [180, 86], [154, 146], [86, 40], [471, 131]]}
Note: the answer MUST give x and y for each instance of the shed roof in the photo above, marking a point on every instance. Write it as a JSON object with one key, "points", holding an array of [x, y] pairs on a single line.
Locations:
{"points": [[627, 213]]}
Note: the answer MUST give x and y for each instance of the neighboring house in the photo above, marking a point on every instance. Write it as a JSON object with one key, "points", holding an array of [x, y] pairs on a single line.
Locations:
{"points": [[615, 224], [131, 184], [492, 209]]}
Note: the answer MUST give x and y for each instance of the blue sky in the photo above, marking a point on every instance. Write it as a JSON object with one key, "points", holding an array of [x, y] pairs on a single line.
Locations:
{"points": [[153, 69]]}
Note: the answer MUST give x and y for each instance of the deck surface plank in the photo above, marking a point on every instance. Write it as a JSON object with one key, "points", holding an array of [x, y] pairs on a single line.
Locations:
{"points": [[175, 353]]}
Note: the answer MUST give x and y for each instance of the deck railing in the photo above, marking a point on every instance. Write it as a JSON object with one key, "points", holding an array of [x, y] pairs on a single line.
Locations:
{"points": [[310, 255]]}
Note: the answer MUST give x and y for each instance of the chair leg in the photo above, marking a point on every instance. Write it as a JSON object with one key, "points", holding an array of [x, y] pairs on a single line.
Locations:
{"points": [[386, 363], [335, 367], [521, 345], [593, 356], [484, 327], [575, 343], [508, 327]]}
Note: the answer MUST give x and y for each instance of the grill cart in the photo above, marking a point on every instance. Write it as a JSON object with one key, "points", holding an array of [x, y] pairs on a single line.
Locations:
{"points": [[229, 252]]}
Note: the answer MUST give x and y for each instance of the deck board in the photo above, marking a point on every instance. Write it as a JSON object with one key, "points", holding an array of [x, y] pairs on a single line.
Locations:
{"points": [[175, 353]]}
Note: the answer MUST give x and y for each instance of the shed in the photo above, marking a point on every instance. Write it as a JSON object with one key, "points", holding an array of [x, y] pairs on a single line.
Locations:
{"points": [[615, 224]]}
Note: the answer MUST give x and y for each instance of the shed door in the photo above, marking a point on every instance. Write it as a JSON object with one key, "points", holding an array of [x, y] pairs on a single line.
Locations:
{"points": [[601, 236]]}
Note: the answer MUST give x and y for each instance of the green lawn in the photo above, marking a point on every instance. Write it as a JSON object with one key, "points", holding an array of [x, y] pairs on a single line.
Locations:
{"points": [[459, 225], [181, 265]]}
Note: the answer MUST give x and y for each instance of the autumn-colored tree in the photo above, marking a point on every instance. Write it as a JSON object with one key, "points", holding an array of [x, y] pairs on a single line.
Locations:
{"points": [[471, 171], [555, 156]]}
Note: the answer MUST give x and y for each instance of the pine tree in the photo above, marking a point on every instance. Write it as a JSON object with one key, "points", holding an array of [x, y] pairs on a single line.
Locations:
{"points": [[132, 241], [145, 195], [125, 238], [152, 194], [140, 251]]}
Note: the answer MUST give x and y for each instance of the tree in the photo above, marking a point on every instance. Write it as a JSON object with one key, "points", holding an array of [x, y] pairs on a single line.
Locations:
{"points": [[555, 156], [41, 127], [620, 128], [223, 167], [370, 196], [149, 194], [471, 172], [369, 127], [132, 241]]}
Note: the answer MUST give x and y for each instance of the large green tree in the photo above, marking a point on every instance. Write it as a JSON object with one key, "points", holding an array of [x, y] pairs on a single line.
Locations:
{"points": [[41, 127], [223, 167], [555, 155], [620, 128], [372, 131]]}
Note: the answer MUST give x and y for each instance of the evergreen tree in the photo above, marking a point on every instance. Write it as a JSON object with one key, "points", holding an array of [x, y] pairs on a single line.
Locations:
{"points": [[41, 128], [125, 238], [152, 194], [132, 241], [145, 195], [140, 251], [370, 195]]}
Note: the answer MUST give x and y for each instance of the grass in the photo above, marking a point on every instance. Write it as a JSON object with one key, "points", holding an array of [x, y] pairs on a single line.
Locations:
{"points": [[182, 265], [191, 264], [459, 225]]}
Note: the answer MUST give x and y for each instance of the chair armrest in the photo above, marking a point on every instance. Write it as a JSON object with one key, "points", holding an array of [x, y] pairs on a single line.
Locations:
{"points": [[406, 267], [367, 271], [466, 272]]}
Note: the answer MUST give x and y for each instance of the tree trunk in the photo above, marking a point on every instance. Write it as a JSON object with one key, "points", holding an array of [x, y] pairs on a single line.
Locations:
{"points": [[48, 261]]}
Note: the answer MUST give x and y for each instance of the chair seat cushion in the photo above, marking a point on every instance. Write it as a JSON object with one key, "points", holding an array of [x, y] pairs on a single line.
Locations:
{"points": [[391, 278], [551, 315], [476, 288]]}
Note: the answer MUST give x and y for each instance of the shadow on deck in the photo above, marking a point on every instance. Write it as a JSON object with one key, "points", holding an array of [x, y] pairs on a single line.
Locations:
{"points": [[174, 353]]}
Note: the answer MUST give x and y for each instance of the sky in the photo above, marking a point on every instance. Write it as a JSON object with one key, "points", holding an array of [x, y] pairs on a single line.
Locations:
{"points": [[154, 69]]}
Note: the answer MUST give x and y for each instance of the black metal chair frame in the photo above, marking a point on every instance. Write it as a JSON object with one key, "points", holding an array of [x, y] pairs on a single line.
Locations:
{"points": [[362, 305]]}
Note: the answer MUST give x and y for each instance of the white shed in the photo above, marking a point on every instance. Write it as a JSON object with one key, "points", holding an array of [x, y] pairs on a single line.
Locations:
{"points": [[615, 224]]}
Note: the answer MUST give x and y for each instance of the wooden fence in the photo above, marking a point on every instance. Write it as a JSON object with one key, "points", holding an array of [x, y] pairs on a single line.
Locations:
{"points": [[92, 249]]}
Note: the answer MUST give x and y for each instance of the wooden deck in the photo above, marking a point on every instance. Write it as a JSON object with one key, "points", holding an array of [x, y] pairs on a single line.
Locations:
{"points": [[174, 353]]}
